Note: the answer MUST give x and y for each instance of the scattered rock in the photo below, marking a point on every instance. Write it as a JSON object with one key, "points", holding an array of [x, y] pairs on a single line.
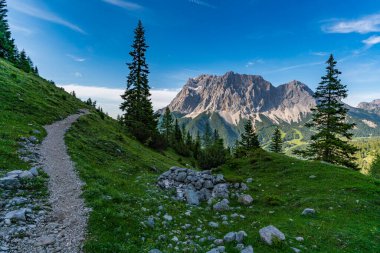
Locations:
{"points": [[312, 176], [231, 236], [296, 250], [44, 241], [213, 224], [18, 215], [34, 171], [222, 205], [299, 239], [168, 217], [245, 199], [240, 236], [308, 211], [249, 180], [269, 233], [191, 197], [248, 249], [155, 251]]}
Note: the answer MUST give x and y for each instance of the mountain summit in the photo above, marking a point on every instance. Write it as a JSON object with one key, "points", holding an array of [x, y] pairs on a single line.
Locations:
{"points": [[235, 96]]}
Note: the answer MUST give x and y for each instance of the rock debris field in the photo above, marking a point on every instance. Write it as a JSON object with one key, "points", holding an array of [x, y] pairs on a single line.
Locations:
{"points": [[56, 223]]}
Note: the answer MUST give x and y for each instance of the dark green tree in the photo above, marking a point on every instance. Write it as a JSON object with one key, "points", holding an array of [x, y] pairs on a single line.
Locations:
{"points": [[177, 132], [207, 136], [276, 145], [167, 124], [329, 120], [375, 168], [197, 146], [214, 155], [137, 106], [24, 62], [249, 139], [7, 46]]}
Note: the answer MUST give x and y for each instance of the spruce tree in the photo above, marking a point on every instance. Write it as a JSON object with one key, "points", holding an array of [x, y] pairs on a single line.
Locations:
{"points": [[137, 106], [177, 133], [249, 139], [329, 120], [167, 124], [7, 46], [207, 135], [276, 145]]}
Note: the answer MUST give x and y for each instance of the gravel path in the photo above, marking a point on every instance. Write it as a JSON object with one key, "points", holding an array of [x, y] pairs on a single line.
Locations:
{"points": [[64, 228]]}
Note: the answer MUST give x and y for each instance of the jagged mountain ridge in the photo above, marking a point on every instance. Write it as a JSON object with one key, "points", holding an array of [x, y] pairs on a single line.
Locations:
{"points": [[235, 97], [226, 101], [373, 106]]}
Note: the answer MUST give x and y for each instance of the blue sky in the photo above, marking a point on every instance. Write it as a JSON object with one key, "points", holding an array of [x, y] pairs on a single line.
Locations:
{"points": [[86, 43]]}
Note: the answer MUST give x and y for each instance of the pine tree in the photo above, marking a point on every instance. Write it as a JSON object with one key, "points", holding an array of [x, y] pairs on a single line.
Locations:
{"points": [[276, 145], [137, 106], [207, 136], [329, 120], [197, 146], [167, 124], [7, 46], [23, 62], [249, 139], [177, 133]]}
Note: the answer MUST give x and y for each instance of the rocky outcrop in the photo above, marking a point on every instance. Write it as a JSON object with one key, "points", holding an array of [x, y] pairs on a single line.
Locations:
{"points": [[373, 106], [194, 186]]}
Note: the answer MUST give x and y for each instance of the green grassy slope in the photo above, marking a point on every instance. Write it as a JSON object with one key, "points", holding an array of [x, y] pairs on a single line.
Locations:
{"points": [[122, 192], [27, 102]]}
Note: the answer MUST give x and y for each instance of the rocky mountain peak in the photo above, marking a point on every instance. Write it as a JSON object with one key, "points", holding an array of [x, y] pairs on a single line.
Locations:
{"points": [[237, 96]]}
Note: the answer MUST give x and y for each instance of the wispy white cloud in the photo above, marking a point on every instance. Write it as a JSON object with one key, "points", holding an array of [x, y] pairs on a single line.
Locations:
{"points": [[319, 53], [21, 29], [124, 4], [254, 62], [43, 14], [109, 98], [78, 74], [76, 58], [295, 67], [202, 3], [364, 25], [371, 41]]}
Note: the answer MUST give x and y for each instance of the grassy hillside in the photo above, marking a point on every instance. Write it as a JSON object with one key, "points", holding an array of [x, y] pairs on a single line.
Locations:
{"points": [[27, 102], [121, 176]]}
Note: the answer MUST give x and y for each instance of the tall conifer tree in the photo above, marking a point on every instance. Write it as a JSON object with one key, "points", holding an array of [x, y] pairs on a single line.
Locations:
{"points": [[276, 145], [137, 106], [249, 139], [167, 124], [330, 143]]}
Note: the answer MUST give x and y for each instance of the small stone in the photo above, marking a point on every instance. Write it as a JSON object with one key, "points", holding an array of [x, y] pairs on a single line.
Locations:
{"points": [[18, 214], [155, 251], [213, 224], [268, 233], [308, 211], [150, 222], [249, 180], [231, 236], [312, 176], [218, 242], [245, 199], [240, 236], [299, 239], [168, 217], [248, 249], [34, 171], [191, 197], [26, 174], [44, 240], [296, 250], [222, 205]]}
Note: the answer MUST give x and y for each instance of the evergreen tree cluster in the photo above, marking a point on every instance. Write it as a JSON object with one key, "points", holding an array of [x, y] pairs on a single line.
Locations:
{"points": [[8, 49]]}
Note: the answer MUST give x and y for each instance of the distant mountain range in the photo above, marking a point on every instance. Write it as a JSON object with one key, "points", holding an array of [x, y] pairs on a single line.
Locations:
{"points": [[227, 101]]}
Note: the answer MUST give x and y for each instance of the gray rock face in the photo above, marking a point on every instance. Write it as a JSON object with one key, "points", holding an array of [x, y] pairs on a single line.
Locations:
{"points": [[193, 186], [191, 197], [222, 206], [245, 199], [373, 106], [308, 211], [236, 96], [268, 234]]}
